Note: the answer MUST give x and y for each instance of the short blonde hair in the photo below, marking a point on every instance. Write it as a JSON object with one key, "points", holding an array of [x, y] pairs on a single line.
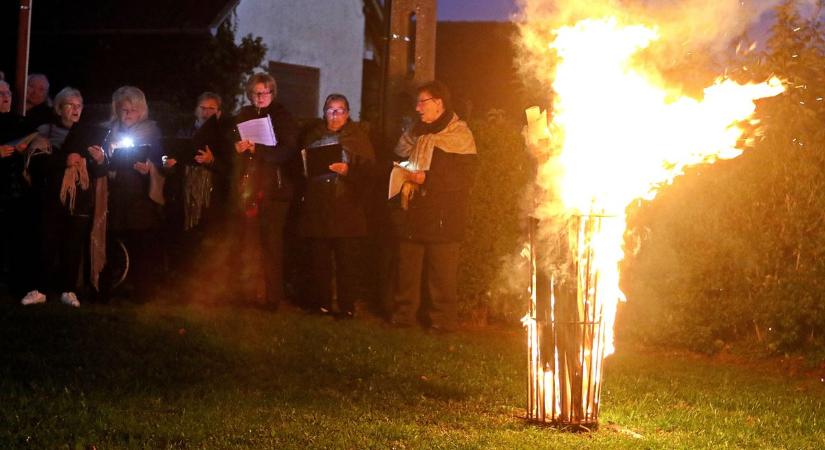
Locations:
{"points": [[261, 78], [63, 97], [132, 95]]}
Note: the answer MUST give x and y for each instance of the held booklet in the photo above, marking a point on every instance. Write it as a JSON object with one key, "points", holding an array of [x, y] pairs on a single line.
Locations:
{"points": [[126, 157], [181, 149], [318, 159]]}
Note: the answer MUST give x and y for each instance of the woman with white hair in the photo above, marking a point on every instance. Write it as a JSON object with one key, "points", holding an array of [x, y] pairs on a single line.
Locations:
{"points": [[136, 184], [63, 179]]}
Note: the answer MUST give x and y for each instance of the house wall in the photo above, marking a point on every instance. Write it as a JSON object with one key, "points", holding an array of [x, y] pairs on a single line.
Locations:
{"points": [[327, 34]]}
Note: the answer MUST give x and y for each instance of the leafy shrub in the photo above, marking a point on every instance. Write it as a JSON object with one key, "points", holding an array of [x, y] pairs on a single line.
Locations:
{"points": [[495, 228], [737, 250]]}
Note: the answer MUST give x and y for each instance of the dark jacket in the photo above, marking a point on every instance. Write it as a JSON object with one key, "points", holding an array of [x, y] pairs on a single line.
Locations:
{"points": [[438, 212], [38, 115], [130, 208], [333, 205], [217, 134], [266, 175], [12, 185], [78, 142]]}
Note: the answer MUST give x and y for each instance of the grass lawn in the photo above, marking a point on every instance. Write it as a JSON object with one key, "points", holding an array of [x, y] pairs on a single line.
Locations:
{"points": [[187, 376]]}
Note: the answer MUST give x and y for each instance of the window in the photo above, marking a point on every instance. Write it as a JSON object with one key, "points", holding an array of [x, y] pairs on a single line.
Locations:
{"points": [[298, 88]]}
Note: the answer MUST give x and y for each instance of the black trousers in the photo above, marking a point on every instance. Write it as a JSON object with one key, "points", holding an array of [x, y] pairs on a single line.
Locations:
{"points": [[25, 238], [72, 245], [337, 268], [271, 222], [437, 265]]}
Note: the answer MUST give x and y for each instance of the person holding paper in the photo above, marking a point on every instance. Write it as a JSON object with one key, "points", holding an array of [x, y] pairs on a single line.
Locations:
{"points": [[265, 189], [432, 215], [332, 215]]}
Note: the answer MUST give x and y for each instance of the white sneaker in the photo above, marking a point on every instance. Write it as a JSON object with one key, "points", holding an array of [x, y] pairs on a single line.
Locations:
{"points": [[68, 298], [33, 298]]}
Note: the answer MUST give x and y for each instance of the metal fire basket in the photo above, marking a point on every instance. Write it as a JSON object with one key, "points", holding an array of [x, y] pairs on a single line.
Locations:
{"points": [[566, 337]]}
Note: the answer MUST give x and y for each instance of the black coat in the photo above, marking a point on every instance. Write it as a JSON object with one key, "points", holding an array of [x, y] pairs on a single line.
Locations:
{"points": [[130, 208], [12, 184], [333, 205], [270, 172], [438, 212]]}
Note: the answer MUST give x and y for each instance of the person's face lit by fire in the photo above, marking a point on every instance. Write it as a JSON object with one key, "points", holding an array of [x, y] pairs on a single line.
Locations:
{"points": [[207, 108], [128, 114], [70, 111], [262, 96], [36, 92], [429, 107], [5, 98], [336, 115]]}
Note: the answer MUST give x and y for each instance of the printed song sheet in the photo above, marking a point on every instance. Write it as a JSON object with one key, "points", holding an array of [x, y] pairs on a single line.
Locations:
{"points": [[397, 178], [259, 131]]}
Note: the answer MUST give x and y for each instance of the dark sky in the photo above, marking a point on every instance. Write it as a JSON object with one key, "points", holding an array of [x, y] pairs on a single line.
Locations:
{"points": [[476, 10]]}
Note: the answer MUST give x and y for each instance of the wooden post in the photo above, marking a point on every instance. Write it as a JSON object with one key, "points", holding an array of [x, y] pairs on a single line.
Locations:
{"points": [[410, 60], [23, 35]]}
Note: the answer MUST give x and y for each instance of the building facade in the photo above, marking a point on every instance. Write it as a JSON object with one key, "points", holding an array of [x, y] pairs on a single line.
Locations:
{"points": [[314, 48]]}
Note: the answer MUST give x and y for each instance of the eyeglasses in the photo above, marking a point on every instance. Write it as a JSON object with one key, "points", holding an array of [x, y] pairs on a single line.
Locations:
{"points": [[5, 94], [338, 111], [421, 102], [74, 106], [263, 94]]}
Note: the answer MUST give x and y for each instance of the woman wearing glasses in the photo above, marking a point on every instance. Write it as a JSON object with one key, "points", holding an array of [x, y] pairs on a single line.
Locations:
{"points": [[440, 169], [265, 189], [332, 214]]}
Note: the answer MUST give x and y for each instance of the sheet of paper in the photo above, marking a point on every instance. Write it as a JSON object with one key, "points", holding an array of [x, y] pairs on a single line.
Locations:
{"points": [[397, 178], [259, 131]]}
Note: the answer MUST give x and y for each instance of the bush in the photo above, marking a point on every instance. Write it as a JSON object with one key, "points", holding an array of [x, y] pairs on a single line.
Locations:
{"points": [[736, 250], [496, 218]]}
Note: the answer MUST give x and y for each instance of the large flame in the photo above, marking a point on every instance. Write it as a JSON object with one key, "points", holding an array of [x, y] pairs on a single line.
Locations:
{"points": [[618, 132]]}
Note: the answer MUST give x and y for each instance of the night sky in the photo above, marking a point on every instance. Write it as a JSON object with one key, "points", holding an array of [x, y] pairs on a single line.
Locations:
{"points": [[476, 10]]}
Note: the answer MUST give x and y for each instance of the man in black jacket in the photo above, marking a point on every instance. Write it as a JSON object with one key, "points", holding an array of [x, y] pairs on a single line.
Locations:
{"points": [[441, 165]]}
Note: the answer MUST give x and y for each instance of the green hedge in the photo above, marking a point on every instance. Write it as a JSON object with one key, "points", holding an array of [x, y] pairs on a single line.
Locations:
{"points": [[736, 251], [489, 266]]}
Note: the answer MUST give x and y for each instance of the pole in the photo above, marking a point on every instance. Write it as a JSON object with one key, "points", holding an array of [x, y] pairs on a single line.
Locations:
{"points": [[23, 36]]}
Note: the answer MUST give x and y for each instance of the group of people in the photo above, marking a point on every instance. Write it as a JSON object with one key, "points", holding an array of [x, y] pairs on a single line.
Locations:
{"points": [[68, 191]]}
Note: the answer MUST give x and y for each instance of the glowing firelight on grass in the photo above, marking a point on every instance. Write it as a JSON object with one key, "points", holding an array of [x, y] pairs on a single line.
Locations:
{"points": [[617, 133]]}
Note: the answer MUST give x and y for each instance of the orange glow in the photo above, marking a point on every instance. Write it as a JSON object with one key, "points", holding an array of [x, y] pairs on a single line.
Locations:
{"points": [[617, 132]]}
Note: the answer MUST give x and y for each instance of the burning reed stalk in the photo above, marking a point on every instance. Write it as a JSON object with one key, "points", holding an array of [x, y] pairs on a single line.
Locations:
{"points": [[566, 339]]}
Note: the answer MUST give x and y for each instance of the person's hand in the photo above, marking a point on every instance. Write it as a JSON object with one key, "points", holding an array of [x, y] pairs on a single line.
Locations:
{"points": [[205, 156], [341, 168], [74, 159], [244, 145], [6, 151], [142, 167], [169, 162], [417, 177], [97, 153]]}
